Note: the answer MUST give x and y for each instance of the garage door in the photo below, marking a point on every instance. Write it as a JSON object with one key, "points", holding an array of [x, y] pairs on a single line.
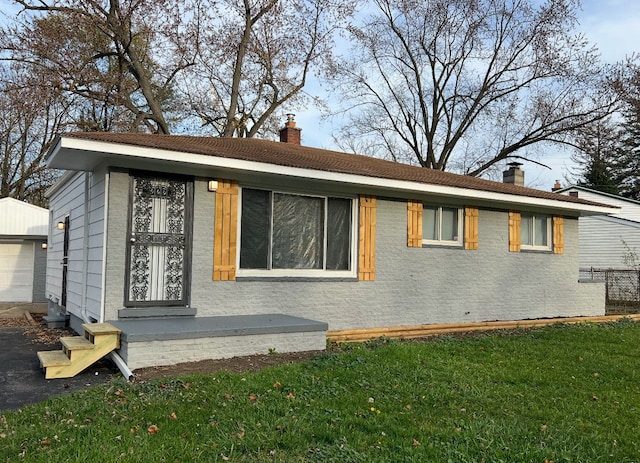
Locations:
{"points": [[16, 272]]}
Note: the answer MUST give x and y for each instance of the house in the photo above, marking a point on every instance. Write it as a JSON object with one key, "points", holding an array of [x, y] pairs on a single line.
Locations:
{"points": [[23, 243], [201, 247], [605, 240]]}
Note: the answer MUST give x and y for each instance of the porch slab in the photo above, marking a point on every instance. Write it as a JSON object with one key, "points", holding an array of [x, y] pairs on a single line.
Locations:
{"points": [[158, 342], [164, 329]]}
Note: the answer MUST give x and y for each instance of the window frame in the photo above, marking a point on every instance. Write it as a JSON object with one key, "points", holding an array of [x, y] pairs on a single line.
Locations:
{"points": [[549, 230], [439, 241], [300, 273]]}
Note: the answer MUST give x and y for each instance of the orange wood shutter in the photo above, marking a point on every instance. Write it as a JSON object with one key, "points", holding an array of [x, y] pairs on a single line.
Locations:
{"points": [[558, 235], [514, 231], [367, 249], [414, 224], [225, 231], [471, 228]]}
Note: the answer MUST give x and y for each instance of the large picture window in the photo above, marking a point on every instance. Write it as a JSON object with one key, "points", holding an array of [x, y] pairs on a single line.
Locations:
{"points": [[535, 232], [442, 225], [295, 234]]}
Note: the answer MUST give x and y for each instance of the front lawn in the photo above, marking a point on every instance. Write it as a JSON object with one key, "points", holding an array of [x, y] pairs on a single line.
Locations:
{"points": [[560, 393]]}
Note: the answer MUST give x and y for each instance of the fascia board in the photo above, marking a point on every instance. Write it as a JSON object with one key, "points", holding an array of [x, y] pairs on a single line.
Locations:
{"points": [[131, 151]]}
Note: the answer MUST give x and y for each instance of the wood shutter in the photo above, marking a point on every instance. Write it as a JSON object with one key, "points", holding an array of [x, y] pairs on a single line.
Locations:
{"points": [[558, 235], [225, 231], [367, 244], [414, 224], [514, 231], [471, 228]]}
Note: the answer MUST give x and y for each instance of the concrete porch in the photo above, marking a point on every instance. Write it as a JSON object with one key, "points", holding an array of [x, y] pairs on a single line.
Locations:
{"points": [[169, 341]]}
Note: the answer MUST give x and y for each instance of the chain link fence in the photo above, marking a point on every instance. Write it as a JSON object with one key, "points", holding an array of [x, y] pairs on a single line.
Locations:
{"points": [[622, 288]]}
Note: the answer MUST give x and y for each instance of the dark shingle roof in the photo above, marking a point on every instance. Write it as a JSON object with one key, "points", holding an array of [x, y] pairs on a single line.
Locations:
{"points": [[290, 155]]}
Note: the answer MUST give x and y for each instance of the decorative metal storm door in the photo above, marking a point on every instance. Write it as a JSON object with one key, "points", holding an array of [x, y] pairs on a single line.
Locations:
{"points": [[159, 240]]}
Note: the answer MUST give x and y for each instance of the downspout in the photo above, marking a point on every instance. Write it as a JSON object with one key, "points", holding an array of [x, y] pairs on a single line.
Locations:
{"points": [[113, 355]]}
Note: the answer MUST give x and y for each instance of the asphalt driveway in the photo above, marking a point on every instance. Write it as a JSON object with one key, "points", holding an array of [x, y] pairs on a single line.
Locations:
{"points": [[21, 379]]}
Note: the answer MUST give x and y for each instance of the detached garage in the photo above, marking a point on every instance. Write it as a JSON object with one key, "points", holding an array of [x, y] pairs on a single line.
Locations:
{"points": [[23, 238]]}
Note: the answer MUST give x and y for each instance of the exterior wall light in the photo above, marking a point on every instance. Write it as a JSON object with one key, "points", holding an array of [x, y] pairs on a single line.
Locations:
{"points": [[212, 185], [60, 225], [44, 245]]}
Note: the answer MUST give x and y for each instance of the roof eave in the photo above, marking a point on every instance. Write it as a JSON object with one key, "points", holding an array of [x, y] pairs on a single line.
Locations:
{"points": [[64, 155]]}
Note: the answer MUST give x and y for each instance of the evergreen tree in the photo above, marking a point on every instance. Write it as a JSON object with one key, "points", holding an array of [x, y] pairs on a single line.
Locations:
{"points": [[597, 157], [629, 149]]}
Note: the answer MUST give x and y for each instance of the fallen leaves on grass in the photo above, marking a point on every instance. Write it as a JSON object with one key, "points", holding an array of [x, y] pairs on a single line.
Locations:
{"points": [[153, 429]]}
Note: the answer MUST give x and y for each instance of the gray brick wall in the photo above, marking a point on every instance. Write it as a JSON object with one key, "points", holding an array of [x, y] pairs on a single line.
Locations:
{"points": [[156, 353], [412, 285], [116, 242]]}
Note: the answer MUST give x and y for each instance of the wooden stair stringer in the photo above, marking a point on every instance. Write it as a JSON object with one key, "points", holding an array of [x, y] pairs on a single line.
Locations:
{"points": [[80, 352]]}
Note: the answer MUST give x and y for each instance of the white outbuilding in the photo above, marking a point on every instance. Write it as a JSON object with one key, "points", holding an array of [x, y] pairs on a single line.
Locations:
{"points": [[23, 253]]}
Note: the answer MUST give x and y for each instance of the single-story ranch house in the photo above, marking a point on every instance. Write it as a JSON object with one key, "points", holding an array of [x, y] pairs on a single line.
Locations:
{"points": [[200, 247]]}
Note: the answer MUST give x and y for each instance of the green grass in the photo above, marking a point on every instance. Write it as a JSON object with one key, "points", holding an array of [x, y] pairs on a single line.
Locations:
{"points": [[561, 393]]}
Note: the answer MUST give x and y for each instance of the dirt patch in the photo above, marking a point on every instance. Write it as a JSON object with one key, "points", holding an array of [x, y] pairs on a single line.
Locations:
{"points": [[234, 365]]}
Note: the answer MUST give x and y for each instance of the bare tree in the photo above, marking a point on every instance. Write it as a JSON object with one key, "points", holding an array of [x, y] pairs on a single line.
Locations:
{"points": [[470, 83], [258, 57], [121, 56], [30, 117]]}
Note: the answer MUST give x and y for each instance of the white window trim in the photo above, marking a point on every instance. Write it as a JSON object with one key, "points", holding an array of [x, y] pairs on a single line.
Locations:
{"points": [[301, 273], [532, 247], [439, 242]]}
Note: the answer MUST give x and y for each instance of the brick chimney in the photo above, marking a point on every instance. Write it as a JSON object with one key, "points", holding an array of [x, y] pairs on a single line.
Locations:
{"points": [[557, 186], [514, 175], [290, 133]]}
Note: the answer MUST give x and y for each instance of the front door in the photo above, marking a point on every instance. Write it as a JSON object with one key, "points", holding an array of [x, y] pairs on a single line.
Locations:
{"points": [[158, 242], [65, 261]]}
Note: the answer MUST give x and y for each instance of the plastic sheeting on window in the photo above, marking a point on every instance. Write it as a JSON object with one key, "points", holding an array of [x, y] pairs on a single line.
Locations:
{"points": [[298, 232], [255, 225], [294, 238], [338, 236]]}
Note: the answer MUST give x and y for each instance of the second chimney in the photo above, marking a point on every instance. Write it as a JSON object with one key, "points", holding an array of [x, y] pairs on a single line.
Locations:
{"points": [[514, 175], [290, 133]]}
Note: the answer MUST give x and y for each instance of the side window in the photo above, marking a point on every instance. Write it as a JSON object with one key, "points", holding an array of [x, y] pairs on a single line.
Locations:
{"points": [[535, 232], [442, 225]]}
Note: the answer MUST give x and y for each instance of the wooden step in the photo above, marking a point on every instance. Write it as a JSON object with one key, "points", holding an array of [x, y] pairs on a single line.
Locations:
{"points": [[76, 343], [80, 352], [98, 329], [53, 358]]}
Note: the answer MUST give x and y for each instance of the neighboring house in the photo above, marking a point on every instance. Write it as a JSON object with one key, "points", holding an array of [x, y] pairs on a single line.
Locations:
{"points": [[23, 242], [606, 240], [186, 243]]}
